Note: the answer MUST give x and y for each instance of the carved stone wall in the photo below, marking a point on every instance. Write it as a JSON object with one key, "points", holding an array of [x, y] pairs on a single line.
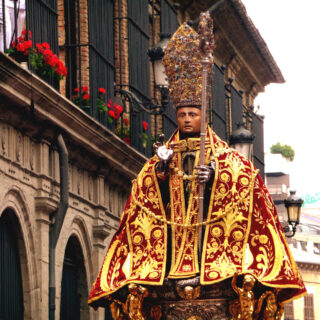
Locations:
{"points": [[101, 167]]}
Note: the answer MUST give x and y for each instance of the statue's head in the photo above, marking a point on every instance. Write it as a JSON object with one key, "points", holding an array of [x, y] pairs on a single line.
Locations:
{"points": [[133, 288], [248, 282], [189, 121]]}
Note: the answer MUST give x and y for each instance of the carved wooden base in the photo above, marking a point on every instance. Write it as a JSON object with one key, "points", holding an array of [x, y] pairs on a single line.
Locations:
{"points": [[214, 309]]}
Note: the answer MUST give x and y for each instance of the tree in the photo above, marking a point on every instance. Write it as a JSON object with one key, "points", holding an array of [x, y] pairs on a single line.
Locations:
{"points": [[285, 150]]}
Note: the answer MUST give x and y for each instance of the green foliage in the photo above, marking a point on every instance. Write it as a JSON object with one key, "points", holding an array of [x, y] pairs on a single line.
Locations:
{"points": [[285, 150]]}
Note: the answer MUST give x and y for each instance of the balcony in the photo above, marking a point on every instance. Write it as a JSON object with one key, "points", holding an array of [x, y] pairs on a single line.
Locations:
{"points": [[90, 60]]}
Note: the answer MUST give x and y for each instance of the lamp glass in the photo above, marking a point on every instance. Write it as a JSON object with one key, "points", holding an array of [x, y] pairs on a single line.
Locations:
{"points": [[245, 148], [159, 74], [293, 213]]}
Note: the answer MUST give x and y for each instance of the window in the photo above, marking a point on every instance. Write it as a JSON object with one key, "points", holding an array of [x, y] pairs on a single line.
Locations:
{"points": [[316, 248], [71, 45], [139, 73], [101, 52], [168, 24], [12, 21], [288, 311], [308, 307], [303, 245], [217, 116], [236, 107], [89, 49], [42, 20], [258, 145]]}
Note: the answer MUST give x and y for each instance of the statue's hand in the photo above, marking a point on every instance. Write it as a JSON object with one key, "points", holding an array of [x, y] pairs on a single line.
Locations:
{"points": [[164, 154], [204, 172]]}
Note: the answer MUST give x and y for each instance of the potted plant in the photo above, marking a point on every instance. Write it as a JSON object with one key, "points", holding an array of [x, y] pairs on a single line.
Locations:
{"points": [[46, 63], [20, 48], [123, 131], [81, 98], [111, 109]]}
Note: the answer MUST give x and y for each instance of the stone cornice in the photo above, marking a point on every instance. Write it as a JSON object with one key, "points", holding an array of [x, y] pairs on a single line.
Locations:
{"points": [[42, 107], [308, 266], [236, 35], [258, 41]]}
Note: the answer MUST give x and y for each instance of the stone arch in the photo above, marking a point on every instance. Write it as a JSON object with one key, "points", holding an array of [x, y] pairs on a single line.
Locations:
{"points": [[15, 204], [77, 231]]}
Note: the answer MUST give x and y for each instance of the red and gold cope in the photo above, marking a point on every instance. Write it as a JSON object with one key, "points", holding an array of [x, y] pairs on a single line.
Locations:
{"points": [[242, 229]]}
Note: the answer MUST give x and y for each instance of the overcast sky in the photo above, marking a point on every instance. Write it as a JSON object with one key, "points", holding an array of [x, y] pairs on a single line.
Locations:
{"points": [[291, 29]]}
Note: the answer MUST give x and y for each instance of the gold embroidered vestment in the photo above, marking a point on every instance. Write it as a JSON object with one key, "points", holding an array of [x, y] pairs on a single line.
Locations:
{"points": [[242, 229]]}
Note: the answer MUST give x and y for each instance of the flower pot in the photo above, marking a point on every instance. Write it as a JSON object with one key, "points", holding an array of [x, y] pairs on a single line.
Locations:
{"points": [[24, 65], [127, 140], [86, 109]]}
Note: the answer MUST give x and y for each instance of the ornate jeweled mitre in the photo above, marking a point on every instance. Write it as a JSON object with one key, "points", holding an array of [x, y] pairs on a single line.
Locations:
{"points": [[182, 60]]}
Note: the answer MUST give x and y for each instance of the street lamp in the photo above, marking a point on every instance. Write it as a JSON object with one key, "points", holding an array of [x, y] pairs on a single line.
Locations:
{"points": [[161, 81], [242, 140], [293, 204], [156, 54]]}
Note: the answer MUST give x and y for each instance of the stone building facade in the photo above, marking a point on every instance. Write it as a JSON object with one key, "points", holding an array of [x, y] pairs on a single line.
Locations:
{"points": [[64, 174]]}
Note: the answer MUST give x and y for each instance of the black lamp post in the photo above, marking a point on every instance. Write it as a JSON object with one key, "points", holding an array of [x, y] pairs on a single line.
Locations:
{"points": [[241, 139], [293, 204]]}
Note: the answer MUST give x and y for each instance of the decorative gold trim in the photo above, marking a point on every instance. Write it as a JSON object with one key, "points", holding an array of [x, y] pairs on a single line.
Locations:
{"points": [[105, 268], [164, 227], [251, 186]]}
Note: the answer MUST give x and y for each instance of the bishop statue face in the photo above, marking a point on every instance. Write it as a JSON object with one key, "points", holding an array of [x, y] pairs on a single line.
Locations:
{"points": [[189, 121]]}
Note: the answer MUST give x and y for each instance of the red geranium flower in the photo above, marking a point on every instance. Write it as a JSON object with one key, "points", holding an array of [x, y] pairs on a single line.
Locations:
{"points": [[125, 121], [45, 45], [24, 33], [20, 47], [76, 90], [112, 114], [145, 125], [86, 96], [84, 89], [102, 90]]}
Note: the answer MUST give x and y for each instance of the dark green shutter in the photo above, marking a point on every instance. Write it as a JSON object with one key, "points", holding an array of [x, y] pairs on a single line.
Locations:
{"points": [[42, 20], [236, 108], [168, 24], [168, 18], [74, 291], [139, 73], [217, 118], [11, 295], [258, 143], [102, 69]]}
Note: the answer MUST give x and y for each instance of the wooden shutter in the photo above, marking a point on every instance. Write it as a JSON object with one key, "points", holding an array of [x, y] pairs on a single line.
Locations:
{"points": [[101, 52], [308, 307], [217, 114], [168, 24], [258, 143], [42, 20], [236, 108], [139, 73], [11, 295]]}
